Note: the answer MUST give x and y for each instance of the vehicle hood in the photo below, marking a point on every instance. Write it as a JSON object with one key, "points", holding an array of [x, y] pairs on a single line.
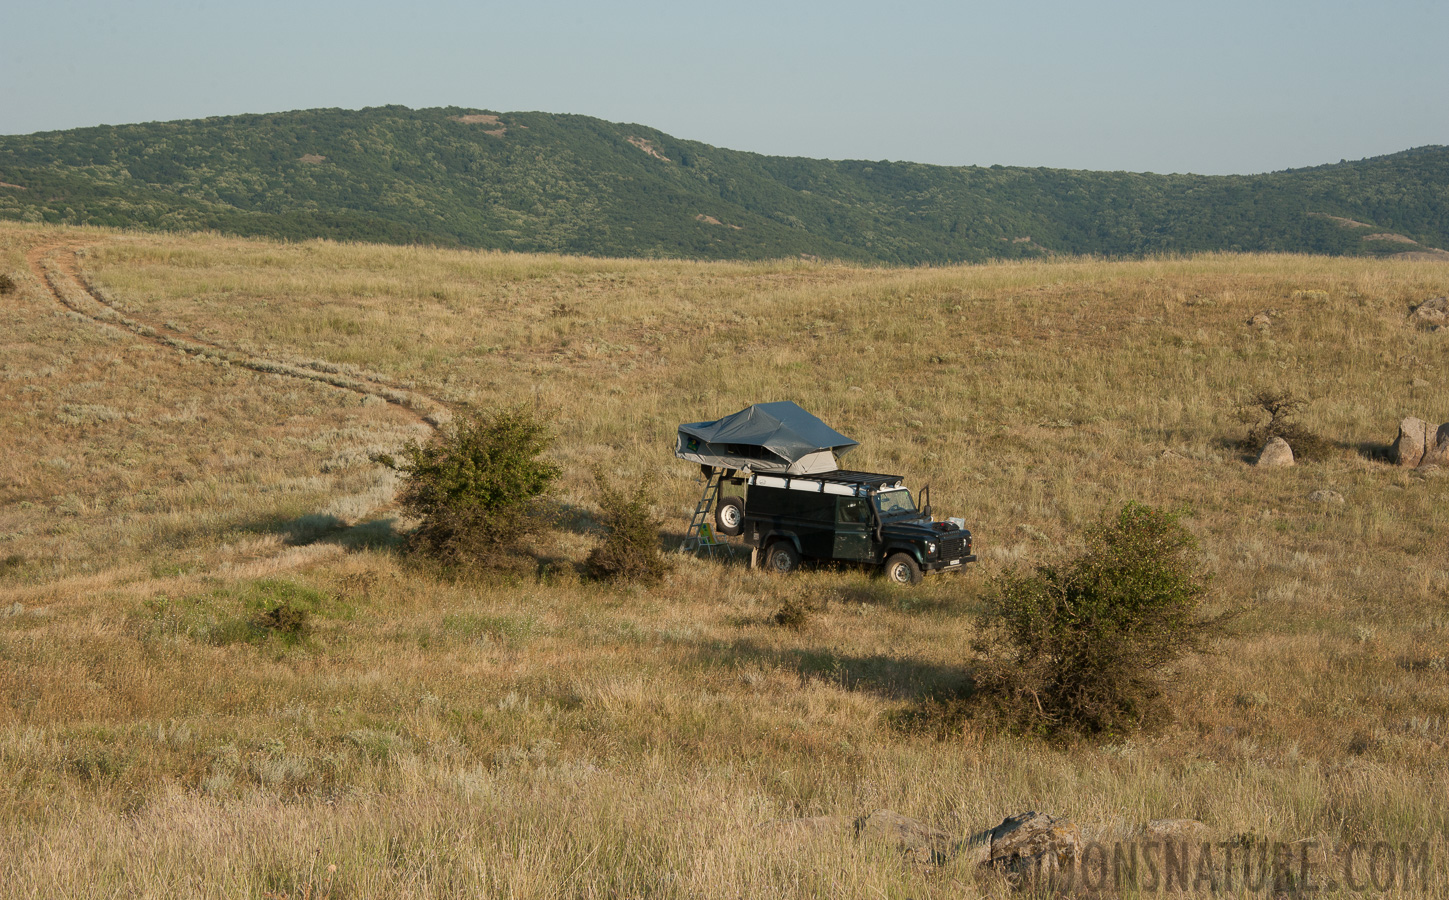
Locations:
{"points": [[921, 529], [913, 529]]}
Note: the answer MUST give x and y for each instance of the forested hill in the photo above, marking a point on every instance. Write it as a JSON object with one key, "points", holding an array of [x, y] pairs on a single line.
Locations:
{"points": [[574, 184]]}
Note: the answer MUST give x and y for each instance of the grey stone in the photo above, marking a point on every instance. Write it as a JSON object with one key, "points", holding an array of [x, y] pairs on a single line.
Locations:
{"points": [[1034, 845], [1436, 446], [1276, 454], [1431, 314], [923, 845], [1409, 445]]}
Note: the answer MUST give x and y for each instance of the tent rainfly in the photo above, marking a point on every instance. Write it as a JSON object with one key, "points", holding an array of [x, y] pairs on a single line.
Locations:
{"points": [[766, 437]]}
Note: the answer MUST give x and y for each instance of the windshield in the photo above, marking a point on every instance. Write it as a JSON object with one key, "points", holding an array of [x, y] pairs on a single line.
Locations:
{"points": [[894, 504]]}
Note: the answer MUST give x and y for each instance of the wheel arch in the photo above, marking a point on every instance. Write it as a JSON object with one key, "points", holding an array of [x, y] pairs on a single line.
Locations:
{"points": [[773, 536], [912, 552]]}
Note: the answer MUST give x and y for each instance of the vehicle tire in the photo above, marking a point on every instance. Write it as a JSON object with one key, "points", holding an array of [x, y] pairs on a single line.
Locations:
{"points": [[901, 568], [782, 558], [729, 516]]}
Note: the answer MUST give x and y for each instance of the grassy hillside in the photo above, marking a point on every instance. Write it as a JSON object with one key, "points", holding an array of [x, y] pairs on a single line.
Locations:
{"points": [[571, 184], [539, 735]]}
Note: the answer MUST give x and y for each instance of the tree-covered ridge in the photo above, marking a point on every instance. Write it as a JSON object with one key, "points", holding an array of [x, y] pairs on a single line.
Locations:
{"points": [[574, 184]]}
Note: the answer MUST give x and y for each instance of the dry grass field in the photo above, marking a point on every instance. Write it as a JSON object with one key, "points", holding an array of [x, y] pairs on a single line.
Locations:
{"points": [[169, 474]]}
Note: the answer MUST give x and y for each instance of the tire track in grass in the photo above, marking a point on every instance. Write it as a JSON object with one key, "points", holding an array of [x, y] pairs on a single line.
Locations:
{"points": [[57, 266]]}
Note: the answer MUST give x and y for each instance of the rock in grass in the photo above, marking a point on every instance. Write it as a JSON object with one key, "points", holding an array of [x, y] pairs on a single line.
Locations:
{"points": [[1409, 445], [1276, 454], [923, 845], [1431, 314], [1034, 844], [1436, 447]]}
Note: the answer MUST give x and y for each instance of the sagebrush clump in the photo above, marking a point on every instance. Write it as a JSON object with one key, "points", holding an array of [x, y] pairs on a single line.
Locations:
{"points": [[1083, 647], [475, 486], [630, 549]]}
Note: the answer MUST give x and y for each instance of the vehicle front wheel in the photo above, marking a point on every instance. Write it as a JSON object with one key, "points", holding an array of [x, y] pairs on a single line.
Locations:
{"points": [[729, 516], [782, 558], [901, 568]]}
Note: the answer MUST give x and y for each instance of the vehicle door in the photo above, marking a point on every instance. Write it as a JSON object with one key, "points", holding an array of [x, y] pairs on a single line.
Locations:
{"points": [[853, 530]]}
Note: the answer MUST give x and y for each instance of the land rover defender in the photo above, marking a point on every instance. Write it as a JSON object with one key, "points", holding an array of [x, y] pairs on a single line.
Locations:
{"points": [[859, 517]]}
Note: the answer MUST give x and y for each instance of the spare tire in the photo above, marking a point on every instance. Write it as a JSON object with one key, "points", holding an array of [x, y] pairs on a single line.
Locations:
{"points": [[729, 516]]}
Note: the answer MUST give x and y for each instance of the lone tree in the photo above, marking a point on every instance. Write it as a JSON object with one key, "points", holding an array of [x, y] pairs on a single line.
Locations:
{"points": [[1282, 408], [1083, 647], [475, 485]]}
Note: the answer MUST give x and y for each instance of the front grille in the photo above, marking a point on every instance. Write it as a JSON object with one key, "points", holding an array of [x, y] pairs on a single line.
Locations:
{"points": [[953, 546]]}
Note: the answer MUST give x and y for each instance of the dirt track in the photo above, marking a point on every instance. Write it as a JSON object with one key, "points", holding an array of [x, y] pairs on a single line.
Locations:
{"points": [[57, 266]]}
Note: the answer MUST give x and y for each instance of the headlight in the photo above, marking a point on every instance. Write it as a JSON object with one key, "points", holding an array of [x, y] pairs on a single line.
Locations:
{"points": [[930, 548]]}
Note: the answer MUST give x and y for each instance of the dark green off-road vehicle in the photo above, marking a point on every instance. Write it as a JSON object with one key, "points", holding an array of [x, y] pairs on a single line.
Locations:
{"points": [[859, 517]]}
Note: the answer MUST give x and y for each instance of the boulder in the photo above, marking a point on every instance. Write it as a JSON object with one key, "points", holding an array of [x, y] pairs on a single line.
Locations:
{"points": [[923, 845], [1034, 844], [1276, 453], [1436, 447], [1409, 445], [1431, 314]]}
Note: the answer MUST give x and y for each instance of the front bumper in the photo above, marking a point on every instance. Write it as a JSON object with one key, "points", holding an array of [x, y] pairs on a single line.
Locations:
{"points": [[950, 564]]}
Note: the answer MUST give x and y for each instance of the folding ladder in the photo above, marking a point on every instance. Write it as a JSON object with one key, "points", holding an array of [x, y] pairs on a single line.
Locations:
{"points": [[700, 532]]}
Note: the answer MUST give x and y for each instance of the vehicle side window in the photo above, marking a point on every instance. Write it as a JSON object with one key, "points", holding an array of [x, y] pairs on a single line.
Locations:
{"points": [[850, 511]]}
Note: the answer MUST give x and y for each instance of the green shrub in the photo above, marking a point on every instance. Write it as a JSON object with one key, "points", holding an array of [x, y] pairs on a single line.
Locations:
{"points": [[630, 548], [1085, 647], [1281, 409], [292, 623], [475, 486]]}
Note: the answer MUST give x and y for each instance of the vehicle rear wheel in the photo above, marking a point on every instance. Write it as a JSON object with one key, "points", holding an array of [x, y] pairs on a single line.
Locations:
{"points": [[901, 568], [729, 516], [782, 558]]}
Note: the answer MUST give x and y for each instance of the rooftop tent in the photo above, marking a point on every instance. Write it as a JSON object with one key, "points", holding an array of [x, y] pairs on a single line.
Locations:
{"points": [[767, 437]]}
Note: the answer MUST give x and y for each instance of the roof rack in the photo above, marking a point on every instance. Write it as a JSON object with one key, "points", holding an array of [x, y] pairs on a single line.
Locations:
{"points": [[847, 476], [844, 483]]}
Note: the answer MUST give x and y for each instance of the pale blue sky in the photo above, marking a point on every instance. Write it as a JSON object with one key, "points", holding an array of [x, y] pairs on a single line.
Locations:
{"points": [[1228, 86]]}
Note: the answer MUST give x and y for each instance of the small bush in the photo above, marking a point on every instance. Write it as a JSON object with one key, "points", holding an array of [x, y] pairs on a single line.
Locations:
{"points": [[630, 549], [1083, 647], [792, 614], [1281, 408], [475, 486], [293, 623]]}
